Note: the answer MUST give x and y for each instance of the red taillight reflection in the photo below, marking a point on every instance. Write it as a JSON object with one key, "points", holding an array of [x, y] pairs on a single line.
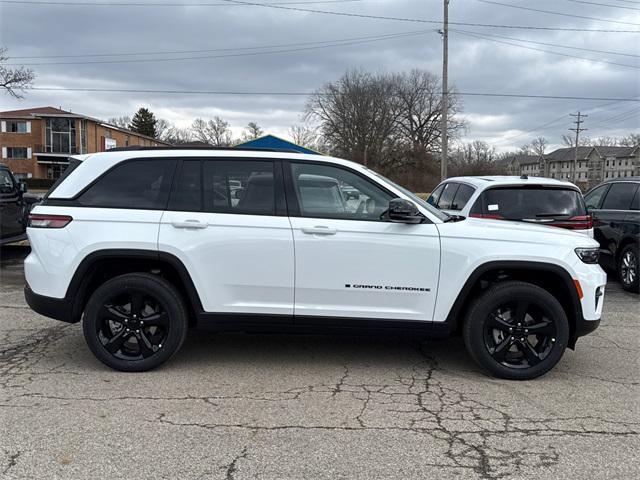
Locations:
{"points": [[580, 222], [49, 221]]}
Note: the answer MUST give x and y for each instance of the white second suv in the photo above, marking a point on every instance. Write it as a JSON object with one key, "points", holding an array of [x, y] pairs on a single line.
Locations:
{"points": [[545, 201], [139, 244]]}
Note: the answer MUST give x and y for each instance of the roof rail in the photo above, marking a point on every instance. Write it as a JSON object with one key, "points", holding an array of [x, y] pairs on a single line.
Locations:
{"points": [[177, 147]]}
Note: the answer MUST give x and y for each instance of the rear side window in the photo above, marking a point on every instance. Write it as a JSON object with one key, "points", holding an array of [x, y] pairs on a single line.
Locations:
{"points": [[619, 196], [139, 184], [462, 197], [239, 186], [527, 203], [446, 199], [594, 198]]}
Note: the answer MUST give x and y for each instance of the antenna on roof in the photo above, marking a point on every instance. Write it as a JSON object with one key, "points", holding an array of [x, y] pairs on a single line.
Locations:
{"points": [[525, 177]]}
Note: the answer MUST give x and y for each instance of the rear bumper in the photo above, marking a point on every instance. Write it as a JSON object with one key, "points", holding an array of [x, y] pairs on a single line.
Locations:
{"points": [[56, 308]]}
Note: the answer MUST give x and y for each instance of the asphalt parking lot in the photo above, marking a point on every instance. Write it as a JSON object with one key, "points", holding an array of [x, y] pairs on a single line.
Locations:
{"points": [[294, 407]]}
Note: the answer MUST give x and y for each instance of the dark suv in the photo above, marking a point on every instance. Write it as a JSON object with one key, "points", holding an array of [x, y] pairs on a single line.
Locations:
{"points": [[615, 207], [13, 211]]}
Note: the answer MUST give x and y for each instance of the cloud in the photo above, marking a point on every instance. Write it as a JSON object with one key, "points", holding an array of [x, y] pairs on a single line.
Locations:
{"points": [[476, 65]]}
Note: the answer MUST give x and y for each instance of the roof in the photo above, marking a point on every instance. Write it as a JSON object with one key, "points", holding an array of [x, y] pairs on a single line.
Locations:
{"points": [[500, 180], [57, 112], [271, 141], [615, 151], [565, 154], [524, 159]]}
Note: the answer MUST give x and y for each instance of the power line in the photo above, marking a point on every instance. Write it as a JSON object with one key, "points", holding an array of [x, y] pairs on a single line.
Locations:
{"points": [[299, 94], [551, 44], [379, 17], [478, 35], [603, 4], [158, 4], [549, 12], [232, 55]]}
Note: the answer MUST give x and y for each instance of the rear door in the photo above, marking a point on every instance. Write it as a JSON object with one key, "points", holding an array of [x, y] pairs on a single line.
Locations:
{"points": [[350, 262], [226, 221], [11, 224], [610, 218]]}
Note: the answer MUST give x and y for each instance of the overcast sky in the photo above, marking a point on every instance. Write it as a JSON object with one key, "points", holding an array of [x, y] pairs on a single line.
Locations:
{"points": [[476, 64]]}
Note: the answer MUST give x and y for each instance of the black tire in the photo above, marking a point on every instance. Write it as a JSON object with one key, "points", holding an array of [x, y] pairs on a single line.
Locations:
{"points": [[135, 342], [516, 354], [629, 268]]}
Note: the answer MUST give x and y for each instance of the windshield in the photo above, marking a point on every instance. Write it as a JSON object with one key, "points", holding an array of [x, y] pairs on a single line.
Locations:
{"points": [[437, 213]]}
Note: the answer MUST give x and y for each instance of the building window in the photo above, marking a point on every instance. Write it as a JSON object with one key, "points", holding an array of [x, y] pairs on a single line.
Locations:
{"points": [[17, 127], [17, 152], [60, 135]]}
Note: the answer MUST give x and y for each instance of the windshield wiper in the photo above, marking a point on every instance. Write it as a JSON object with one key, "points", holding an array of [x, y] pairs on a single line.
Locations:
{"points": [[552, 214]]}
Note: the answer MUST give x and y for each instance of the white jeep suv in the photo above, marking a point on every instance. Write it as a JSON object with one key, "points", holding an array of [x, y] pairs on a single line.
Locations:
{"points": [[142, 243]]}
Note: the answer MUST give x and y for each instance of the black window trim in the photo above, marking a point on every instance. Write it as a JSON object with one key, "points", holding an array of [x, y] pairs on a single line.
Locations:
{"points": [[292, 198], [473, 192], [280, 205], [454, 193]]}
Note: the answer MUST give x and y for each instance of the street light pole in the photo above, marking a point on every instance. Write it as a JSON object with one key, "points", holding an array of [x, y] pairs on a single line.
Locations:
{"points": [[445, 91]]}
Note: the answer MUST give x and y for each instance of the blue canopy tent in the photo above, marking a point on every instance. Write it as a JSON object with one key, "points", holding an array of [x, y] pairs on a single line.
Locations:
{"points": [[276, 143]]}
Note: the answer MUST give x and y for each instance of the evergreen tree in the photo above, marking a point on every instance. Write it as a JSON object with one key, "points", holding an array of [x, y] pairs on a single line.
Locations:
{"points": [[144, 122]]}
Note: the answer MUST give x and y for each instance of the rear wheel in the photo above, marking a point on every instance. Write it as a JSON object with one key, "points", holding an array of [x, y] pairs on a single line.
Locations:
{"points": [[516, 330], [628, 268], [135, 322]]}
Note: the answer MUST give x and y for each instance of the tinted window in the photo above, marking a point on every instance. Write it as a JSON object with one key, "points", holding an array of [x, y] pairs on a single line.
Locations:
{"points": [[141, 184], [619, 196], [462, 197], [433, 198], [6, 182], [331, 192], [594, 198], [635, 203], [187, 191], [239, 186], [519, 203], [449, 192]]}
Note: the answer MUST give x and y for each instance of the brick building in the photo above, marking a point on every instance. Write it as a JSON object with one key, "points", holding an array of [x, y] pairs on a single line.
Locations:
{"points": [[36, 142]]}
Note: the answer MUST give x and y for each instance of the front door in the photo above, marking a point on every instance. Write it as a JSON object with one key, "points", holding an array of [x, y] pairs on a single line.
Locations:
{"points": [[227, 223], [349, 262]]}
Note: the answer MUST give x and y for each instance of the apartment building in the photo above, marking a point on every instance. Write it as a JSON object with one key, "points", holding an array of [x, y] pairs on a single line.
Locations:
{"points": [[36, 142], [594, 164]]}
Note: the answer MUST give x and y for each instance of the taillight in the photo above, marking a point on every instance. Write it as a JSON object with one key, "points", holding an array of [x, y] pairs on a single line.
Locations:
{"points": [[580, 222], [493, 216], [49, 221]]}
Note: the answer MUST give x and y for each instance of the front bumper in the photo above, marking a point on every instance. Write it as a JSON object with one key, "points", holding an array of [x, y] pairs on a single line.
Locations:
{"points": [[56, 308]]}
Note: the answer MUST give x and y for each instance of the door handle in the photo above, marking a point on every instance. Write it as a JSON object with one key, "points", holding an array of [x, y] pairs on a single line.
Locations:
{"points": [[197, 224], [319, 230]]}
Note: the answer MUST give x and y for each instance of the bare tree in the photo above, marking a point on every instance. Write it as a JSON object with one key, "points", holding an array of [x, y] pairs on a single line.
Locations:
{"points": [[216, 131], [14, 81], [122, 122], [304, 136], [570, 141], [357, 115], [176, 136], [631, 140], [525, 149], [475, 158], [605, 141], [162, 126], [251, 131], [539, 145]]}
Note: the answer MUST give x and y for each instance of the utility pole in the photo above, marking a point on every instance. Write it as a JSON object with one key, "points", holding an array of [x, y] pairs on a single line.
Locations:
{"points": [[579, 116], [445, 90]]}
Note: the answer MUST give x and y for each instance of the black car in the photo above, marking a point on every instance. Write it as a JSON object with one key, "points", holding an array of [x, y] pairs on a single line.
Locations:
{"points": [[615, 207], [14, 207]]}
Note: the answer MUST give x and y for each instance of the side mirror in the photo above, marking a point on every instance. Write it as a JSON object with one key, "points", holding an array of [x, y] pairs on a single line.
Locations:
{"points": [[403, 211], [22, 187]]}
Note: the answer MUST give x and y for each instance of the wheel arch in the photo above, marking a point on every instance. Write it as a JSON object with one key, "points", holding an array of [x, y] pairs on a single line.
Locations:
{"points": [[551, 277], [102, 265]]}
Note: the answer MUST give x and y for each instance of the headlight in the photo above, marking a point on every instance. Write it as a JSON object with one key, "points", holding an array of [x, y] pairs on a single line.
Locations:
{"points": [[588, 255]]}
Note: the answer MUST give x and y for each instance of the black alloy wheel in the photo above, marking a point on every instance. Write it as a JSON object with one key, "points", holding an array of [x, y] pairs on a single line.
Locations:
{"points": [[519, 334], [516, 330], [135, 322]]}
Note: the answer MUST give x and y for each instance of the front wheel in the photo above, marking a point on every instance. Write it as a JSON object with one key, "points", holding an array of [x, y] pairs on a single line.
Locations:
{"points": [[628, 268], [516, 330], [135, 322]]}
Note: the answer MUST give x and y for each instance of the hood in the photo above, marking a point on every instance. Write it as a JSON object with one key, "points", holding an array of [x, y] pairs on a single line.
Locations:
{"points": [[518, 232]]}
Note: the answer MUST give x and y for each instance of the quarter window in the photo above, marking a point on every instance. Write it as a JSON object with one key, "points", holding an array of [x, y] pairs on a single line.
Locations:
{"points": [[325, 191], [435, 196], [463, 195], [449, 192], [140, 184], [594, 198], [619, 196]]}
